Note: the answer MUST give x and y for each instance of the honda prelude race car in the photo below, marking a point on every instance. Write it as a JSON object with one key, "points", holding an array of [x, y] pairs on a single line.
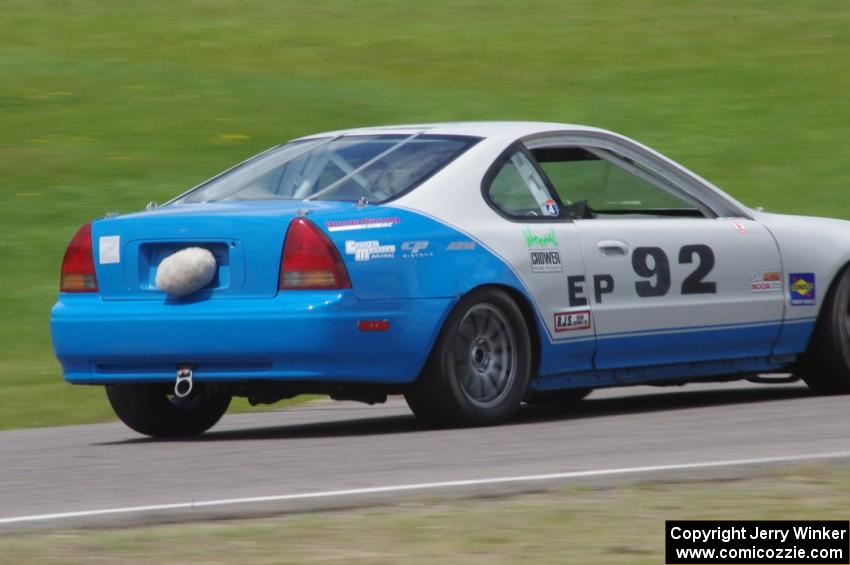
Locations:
{"points": [[468, 266]]}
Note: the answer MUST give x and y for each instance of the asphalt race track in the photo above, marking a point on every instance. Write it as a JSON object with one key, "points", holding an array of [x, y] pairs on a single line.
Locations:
{"points": [[306, 455]]}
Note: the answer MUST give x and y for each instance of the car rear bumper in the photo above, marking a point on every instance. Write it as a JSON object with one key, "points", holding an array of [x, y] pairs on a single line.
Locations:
{"points": [[299, 335]]}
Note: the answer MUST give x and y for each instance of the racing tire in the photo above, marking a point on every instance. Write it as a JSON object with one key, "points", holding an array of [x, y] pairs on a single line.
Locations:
{"points": [[478, 371], [565, 396], [826, 365], [153, 410]]}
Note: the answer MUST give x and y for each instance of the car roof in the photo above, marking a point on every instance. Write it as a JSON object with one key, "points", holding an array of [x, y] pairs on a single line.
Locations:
{"points": [[477, 129]]}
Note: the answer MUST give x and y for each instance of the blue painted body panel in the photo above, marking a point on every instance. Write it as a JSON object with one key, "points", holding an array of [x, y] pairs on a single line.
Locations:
{"points": [[246, 238], [794, 337], [660, 355], [298, 335], [661, 373], [243, 328], [434, 271]]}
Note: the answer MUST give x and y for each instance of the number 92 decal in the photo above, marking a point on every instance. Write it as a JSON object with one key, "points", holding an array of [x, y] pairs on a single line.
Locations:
{"points": [[653, 265]]}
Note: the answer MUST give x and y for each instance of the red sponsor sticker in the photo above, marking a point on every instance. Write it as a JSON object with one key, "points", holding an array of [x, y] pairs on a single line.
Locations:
{"points": [[572, 321], [765, 281]]}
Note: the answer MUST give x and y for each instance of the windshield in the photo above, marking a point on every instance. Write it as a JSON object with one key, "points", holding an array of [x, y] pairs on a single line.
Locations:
{"points": [[375, 168]]}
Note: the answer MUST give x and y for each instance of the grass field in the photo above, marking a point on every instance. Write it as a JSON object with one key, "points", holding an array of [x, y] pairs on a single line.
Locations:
{"points": [[105, 106], [575, 525]]}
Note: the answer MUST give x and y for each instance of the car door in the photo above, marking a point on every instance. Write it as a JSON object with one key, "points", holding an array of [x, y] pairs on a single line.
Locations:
{"points": [[669, 279], [532, 233]]}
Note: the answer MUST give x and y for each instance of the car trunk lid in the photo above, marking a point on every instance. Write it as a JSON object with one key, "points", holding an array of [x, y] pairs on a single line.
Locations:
{"points": [[246, 239]]}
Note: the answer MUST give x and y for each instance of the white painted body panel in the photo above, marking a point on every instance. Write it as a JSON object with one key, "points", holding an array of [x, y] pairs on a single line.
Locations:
{"points": [[772, 243], [810, 245], [454, 198], [733, 304], [737, 256]]}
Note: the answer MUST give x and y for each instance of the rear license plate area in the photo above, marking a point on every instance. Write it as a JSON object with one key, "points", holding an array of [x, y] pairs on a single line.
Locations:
{"points": [[151, 254]]}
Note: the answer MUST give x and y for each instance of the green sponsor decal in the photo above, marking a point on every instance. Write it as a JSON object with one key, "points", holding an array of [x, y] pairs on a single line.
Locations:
{"points": [[535, 240]]}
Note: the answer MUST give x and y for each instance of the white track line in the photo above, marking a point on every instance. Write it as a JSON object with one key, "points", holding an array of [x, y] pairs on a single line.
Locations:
{"points": [[420, 486]]}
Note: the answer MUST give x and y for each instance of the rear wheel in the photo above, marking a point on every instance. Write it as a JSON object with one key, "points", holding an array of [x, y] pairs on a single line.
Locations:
{"points": [[826, 366], [152, 408], [479, 368]]}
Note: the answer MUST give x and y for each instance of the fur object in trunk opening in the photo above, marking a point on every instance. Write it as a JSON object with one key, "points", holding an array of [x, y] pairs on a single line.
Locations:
{"points": [[186, 271]]}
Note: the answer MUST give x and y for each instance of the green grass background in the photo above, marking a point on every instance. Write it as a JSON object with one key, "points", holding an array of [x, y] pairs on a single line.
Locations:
{"points": [[107, 105]]}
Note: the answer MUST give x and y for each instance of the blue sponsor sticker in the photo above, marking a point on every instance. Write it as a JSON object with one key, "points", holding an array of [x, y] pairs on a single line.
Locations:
{"points": [[552, 208], [802, 287]]}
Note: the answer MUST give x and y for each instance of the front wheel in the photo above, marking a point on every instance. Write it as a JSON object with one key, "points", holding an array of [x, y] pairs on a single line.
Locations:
{"points": [[153, 410], [478, 371], [826, 365]]}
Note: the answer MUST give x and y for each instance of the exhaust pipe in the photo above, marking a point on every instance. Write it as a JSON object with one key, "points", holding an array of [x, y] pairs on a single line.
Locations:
{"points": [[183, 385]]}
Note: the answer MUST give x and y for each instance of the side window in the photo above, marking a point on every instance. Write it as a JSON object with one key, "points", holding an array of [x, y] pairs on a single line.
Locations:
{"points": [[599, 183], [518, 190]]}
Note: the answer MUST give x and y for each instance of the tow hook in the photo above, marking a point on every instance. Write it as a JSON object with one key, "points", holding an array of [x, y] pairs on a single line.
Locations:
{"points": [[183, 385]]}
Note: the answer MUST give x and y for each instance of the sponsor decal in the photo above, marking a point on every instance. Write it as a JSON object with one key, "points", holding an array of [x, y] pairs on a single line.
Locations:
{"points": [[369, 250], [802, 288], [532, 239], [461, 246], [362, 223], [765, 281], [552, 208], [545, 261], [740, 227], [572, 321], [109, 249], [413, 249]]}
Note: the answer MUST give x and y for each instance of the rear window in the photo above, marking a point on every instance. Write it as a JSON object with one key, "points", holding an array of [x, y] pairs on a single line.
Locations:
{"points": [[374, 168]]}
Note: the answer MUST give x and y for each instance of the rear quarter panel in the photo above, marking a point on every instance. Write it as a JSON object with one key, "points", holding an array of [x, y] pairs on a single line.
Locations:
{"points": [[413, 257]]}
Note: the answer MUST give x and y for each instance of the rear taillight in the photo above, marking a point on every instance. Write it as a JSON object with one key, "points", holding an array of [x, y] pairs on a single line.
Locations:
{"points": [[310, 259], [78, 264]]}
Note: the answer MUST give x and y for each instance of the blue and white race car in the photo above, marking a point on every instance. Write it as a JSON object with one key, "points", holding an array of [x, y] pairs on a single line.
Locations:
{"points": [[468, 266]]}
